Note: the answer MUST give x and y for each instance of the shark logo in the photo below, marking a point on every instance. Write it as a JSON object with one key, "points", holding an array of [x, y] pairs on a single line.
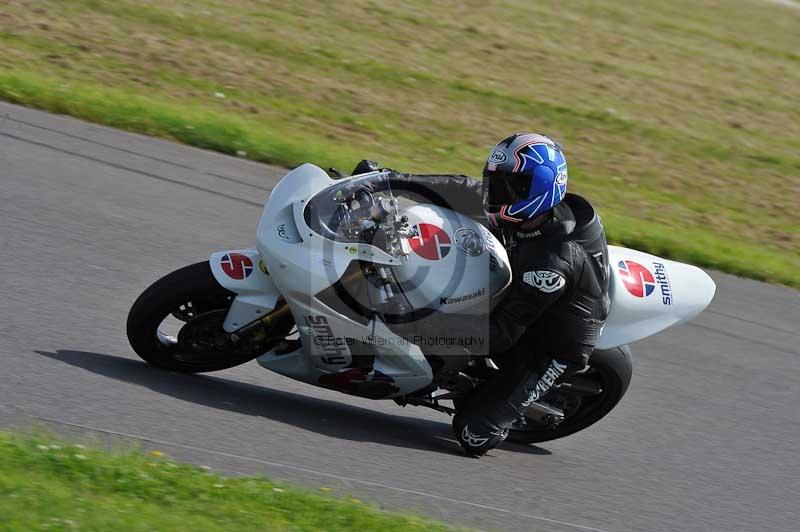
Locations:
{"points": [[545, 280], [473, 440]]}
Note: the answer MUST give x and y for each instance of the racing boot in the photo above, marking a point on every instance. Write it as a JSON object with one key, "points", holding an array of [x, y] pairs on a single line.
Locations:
{"points": [[484, 421]]}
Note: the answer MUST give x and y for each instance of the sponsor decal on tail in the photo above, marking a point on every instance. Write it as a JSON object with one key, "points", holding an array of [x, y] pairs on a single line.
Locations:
{"points": [[663, 282], [641, 282]]}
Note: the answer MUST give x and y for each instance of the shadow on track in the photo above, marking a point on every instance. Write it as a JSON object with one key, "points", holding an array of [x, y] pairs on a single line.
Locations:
{"points": [[337, 420]]}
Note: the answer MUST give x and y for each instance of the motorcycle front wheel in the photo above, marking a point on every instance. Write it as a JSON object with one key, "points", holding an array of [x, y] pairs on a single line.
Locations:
{"points": [[585, 398], [176, 324]]}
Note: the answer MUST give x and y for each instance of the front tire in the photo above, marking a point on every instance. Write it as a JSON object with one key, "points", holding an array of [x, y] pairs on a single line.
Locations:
{"points": [[610, 370], [193, 296]]}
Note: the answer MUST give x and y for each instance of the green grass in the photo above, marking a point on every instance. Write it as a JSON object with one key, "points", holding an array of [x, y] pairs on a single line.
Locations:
{"points": [[680, 119], [48, 484]]}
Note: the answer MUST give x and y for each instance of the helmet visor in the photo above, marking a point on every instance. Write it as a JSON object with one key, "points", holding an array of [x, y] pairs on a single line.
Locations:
{"points": [[504, 188]]}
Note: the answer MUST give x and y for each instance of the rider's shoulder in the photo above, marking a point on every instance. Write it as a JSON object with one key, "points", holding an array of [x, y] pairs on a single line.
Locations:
{"points": [[582, 210], [587, 227]]}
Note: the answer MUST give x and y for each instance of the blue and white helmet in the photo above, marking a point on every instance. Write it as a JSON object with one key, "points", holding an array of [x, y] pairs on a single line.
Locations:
{"points": [[525, 176]]}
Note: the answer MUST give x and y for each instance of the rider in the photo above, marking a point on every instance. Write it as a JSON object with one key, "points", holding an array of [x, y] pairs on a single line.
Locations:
{"points": [[547, 323]]}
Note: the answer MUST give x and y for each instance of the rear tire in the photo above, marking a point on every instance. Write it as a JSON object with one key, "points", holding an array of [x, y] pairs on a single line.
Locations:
{"points": [[613, 369], [195, 294]]}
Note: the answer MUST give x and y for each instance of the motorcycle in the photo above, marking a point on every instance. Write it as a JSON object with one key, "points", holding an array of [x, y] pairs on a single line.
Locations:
{"points": [[344, 273]]}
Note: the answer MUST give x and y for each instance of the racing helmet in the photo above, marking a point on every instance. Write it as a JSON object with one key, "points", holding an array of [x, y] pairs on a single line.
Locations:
{"points": [[524, 177]]}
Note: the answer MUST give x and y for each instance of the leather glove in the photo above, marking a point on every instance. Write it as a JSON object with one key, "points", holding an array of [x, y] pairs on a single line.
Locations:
{"points": [[365, 166]]}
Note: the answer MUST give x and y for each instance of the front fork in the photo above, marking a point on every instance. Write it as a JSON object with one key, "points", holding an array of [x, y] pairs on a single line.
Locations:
{"points": [[262, 328]]}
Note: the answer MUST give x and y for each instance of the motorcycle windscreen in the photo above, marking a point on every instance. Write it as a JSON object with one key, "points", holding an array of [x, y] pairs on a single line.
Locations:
{"points": [[357, 211]]}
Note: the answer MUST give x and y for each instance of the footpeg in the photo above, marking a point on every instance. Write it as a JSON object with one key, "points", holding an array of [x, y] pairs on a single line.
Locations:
{"points": [[545, 414]]}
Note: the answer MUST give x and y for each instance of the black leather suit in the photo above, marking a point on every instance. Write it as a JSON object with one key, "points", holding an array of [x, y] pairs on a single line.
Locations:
{"points": [[552, 313]]}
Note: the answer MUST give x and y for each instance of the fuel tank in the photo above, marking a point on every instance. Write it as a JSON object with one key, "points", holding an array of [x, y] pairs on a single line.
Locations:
{"points": [[455, 263]]}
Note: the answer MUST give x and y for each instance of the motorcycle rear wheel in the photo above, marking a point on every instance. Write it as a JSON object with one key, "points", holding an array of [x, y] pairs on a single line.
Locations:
{"points": [[610, 370], [193, 296]]}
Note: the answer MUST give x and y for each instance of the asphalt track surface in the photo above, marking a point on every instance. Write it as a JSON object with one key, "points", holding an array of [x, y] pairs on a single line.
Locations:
{"points": [[706, 438]]}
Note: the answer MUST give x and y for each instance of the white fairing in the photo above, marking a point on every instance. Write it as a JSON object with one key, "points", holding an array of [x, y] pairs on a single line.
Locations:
{"points": [[649, 294], [449, 263], [456, 264], [243, 272], [303, 263]]}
